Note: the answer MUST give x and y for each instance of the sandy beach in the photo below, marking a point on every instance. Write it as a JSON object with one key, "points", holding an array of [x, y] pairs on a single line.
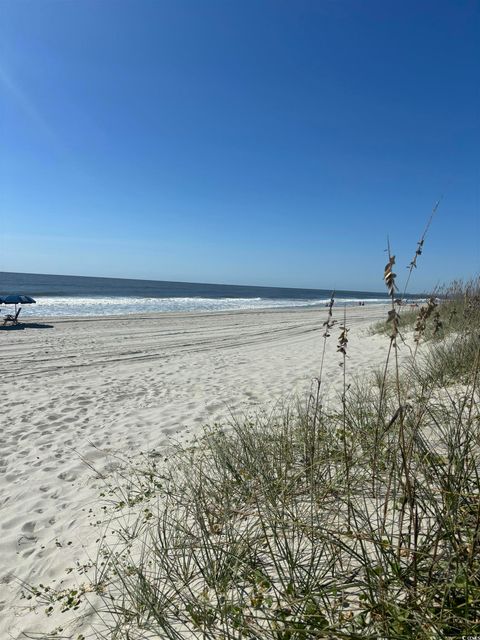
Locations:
{"points": [[185, 454], [75, 391]]}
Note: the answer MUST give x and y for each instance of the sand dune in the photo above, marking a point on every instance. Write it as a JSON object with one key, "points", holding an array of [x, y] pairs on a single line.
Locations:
{"points": [[78, 389]]}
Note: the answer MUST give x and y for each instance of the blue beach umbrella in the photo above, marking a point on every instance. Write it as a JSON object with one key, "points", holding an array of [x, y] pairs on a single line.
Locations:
{"points": [[16, 299]]}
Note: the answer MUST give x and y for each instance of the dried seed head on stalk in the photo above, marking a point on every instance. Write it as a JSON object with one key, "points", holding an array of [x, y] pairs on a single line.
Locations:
{"points": [[421, 321], [389, 276], [418, 252], [394, 318], [328, 324], [452, 315], [420, 243], [437, 323], [343, 340]]}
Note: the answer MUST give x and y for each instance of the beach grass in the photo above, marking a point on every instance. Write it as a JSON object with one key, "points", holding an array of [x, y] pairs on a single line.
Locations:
{"points": [[354, 519]]}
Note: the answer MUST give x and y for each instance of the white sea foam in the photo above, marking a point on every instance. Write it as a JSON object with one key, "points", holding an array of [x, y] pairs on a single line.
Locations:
{"points": [[114, 305]]}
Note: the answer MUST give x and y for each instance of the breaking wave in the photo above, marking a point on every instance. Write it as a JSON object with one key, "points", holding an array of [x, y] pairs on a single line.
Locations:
{"points": [[114, 305]]}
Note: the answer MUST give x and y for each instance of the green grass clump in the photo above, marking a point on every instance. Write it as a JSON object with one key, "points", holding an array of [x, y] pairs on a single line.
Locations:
{"points": [[455, 308]]}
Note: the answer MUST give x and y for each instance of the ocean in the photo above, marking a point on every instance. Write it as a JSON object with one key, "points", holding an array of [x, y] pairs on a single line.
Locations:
{"points": [[86, 296]]}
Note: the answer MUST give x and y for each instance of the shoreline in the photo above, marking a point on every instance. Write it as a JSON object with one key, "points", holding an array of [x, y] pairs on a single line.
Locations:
{"points": [[148, 315], [28, 317]]}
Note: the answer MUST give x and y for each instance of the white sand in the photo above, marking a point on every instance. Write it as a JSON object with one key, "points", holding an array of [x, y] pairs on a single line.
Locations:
{"points": [[84, 387]]}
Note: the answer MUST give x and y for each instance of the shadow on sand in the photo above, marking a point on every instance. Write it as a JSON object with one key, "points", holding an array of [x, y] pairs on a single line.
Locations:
{"points": [[25, 325]]}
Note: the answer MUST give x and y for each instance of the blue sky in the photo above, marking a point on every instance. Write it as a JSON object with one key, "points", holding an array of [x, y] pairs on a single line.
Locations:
{"points": [[266, 142]]}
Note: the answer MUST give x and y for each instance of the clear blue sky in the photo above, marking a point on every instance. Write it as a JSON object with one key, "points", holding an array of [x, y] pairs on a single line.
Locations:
{"points": [[264, 142]]}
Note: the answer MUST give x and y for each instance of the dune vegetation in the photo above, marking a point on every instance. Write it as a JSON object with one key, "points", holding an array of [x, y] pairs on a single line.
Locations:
{"points": [[355, 518]]}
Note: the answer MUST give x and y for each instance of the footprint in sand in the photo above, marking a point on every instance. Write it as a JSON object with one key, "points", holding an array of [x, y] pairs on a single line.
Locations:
{"points": [[29, 527], [24, 540], [67, 475]]}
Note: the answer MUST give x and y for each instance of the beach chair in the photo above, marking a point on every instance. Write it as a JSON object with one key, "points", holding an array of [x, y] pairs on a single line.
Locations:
{"points": [[12, 319]]}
